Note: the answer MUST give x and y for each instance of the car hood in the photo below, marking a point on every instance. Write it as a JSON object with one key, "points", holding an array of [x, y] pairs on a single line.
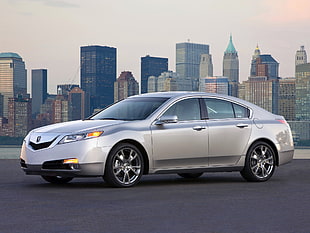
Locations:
{"points": [[76, 126]]}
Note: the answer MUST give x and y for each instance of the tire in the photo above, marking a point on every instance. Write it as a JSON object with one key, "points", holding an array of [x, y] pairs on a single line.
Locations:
{"points": [[57, 179], [190, 175], [259, 163], [124, 166]]}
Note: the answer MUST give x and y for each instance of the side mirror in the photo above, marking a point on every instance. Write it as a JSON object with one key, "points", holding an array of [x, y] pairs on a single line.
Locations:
{"points": [[166, 119]]}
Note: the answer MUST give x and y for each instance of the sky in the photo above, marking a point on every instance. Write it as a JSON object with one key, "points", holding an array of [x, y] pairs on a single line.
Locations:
{"points": [[49, 33]]}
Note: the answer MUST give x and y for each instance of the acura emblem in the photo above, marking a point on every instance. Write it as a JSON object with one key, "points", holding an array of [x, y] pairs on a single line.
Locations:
{"points": [[38, 138]]}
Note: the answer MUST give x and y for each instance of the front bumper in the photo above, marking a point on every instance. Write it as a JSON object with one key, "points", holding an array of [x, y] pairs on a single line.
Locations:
{"points": [[76, 170], [49, 161]]}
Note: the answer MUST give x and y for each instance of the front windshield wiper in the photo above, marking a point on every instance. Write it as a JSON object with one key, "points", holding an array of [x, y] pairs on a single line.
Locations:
{"points": [[108, 118]]}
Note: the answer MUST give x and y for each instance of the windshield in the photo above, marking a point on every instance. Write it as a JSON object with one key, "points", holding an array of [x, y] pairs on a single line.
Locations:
{"points": [[131, 109]]}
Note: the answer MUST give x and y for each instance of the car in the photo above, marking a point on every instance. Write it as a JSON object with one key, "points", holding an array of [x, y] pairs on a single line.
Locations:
{"points": [[187, 133]]}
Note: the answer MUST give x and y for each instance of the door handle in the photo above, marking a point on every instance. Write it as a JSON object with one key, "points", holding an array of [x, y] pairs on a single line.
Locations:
{"points": [[198, 128], [241, 125]]}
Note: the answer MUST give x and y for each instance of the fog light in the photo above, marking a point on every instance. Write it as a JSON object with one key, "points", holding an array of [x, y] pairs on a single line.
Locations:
{"points": [[67, 161]]}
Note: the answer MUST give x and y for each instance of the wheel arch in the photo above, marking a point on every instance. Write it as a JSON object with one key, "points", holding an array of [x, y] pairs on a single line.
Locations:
{"points": [[271, 144], [141, 149]]}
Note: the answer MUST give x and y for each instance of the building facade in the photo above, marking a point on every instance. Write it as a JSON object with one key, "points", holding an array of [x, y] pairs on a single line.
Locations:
{"points": [[19, 116], [13, 78], [125, 86], [287, 98], [151, 66], [188, 57], [217, 84], [98, 74], [38, 89], [302, 92], [78, 104], [206, 66]]}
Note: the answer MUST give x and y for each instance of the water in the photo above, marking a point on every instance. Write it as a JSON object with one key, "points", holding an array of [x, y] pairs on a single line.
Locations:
{"points": [[13, 152], [9, 152]]}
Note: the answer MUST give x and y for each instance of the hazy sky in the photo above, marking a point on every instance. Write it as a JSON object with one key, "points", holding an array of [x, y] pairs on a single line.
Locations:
{"points": [[48, 33]]}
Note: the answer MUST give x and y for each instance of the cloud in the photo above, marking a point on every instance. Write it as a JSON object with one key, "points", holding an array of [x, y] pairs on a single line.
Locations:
{"points": [[285, 11]]}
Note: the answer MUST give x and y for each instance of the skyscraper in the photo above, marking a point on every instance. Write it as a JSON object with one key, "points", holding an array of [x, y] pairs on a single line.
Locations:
{"points": [[19, 116], [231, 63], [206, 66], [302, 92], [287, 98], [151, 66], [231, 67], [13, 78], [38, 89], [301, 56], [98, 74], [125, 86], [188, 56], [261, 60], [215, 84], [78, 104]]}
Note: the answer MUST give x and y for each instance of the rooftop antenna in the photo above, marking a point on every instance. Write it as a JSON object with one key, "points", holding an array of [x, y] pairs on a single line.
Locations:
{"points": [[188, 40]]}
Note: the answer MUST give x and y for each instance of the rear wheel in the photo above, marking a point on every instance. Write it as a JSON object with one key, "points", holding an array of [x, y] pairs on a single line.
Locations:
{"points": [[190, 175], [259, 162], [124, 166], [57, 179]]}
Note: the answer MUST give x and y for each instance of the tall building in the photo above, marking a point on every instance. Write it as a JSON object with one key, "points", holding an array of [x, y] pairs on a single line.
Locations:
{"points": [[231, 62], [287, 98], [19, 116], [206, 66], [151, 66], [78, 104], [98, 74], [60, 112], [264, 62], [13, 78], [125, 86], [38, 89], [217, 84], [188, 56], [301, 56], [302, 92]]}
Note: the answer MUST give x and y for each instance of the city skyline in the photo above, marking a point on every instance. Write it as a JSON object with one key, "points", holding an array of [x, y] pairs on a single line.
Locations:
{"points": [[49, 33]]}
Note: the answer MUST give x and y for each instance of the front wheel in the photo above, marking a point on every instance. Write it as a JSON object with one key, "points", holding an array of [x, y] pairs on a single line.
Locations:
{"points": [[57, 179], [124, 166], [259, 162]]}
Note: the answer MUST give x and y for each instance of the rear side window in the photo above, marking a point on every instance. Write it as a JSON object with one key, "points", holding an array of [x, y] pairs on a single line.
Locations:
{"points": [[241, 112], [221, 109]]}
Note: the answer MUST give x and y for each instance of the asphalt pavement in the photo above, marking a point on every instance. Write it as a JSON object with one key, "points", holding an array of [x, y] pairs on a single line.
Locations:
{"points": [[215, 203]]}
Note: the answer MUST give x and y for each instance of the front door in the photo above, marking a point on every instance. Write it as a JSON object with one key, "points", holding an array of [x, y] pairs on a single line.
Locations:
{"points": [[184, 144]]}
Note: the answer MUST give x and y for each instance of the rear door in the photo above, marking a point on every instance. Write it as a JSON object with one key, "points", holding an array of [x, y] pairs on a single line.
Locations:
{"points": [[229, 129]]}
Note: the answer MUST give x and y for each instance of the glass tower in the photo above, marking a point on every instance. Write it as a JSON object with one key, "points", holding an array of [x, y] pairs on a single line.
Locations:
{"points": [[13, 78], [188, 59], [38, 89], [98, 74], [151, 66]]}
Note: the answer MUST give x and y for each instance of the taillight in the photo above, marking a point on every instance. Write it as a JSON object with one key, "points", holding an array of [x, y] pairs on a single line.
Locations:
{"points": [[282, 121]]}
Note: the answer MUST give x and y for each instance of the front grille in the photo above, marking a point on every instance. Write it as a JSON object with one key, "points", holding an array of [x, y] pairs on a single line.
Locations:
{"points": [[40, 145]]}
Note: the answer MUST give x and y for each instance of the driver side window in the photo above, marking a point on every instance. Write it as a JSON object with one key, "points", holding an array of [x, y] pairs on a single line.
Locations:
{"points": [[185, 110]]}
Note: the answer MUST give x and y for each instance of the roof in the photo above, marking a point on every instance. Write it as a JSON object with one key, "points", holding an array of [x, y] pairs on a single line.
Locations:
{"points": [[230, 47], [267, 58], [9, 55]]}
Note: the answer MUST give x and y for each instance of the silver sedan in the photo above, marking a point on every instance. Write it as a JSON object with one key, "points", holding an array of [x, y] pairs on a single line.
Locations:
{"points": [[170, 132]]}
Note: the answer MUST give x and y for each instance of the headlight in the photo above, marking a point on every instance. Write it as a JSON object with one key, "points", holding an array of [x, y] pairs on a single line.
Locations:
{"points": [[79, 137]]}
